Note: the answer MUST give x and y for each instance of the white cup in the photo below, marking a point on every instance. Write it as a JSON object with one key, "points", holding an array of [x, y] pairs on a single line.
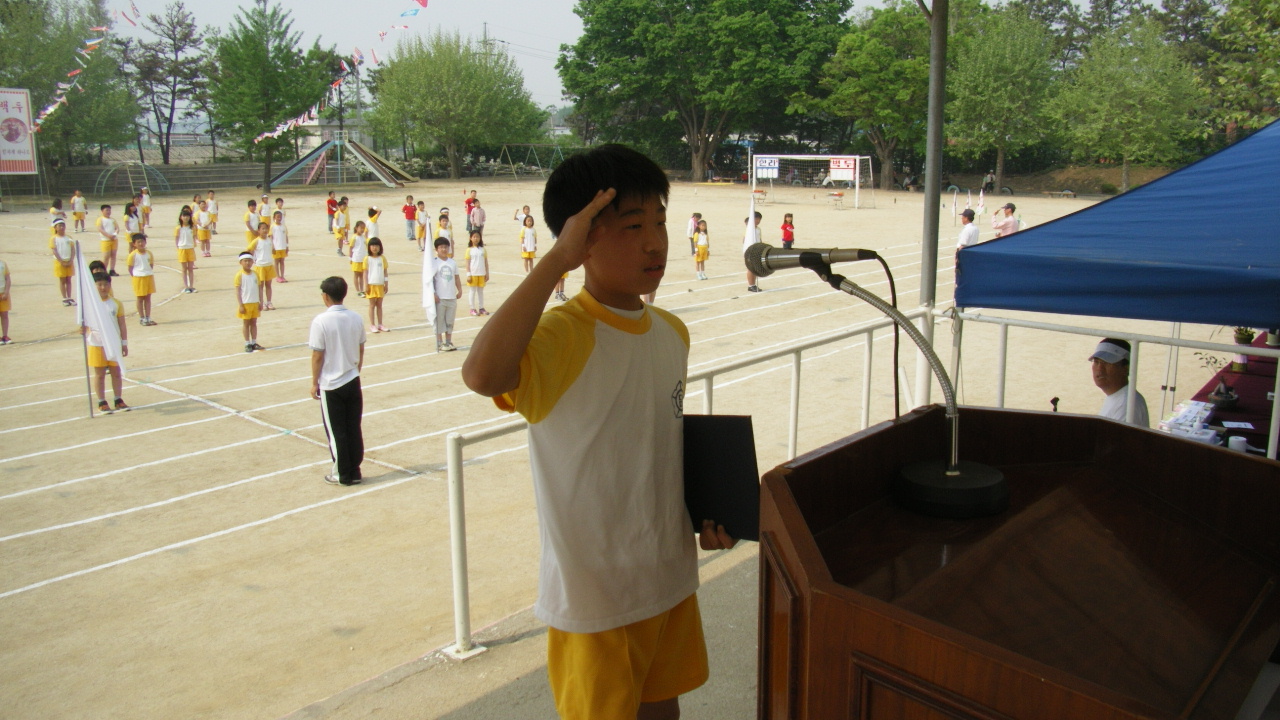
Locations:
{"points": [[1237, 443]]}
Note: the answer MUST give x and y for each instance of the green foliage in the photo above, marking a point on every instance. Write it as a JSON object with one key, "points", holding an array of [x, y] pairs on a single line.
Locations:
{"points": [[1107, 188], [999, 86], [38, 43], [168, 69], [1061, 18], [1245, 72], [1130, 99], [1188, 25], [456, 93], [262, 77], [696, 69], [879, 79]]}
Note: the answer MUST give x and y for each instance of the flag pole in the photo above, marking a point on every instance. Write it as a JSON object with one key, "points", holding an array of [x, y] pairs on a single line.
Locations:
{"points": [[84, 338]]}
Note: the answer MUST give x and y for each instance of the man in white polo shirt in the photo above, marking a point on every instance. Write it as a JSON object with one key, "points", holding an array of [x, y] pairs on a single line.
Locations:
{"points": [[337, 352], [1111, 375]]}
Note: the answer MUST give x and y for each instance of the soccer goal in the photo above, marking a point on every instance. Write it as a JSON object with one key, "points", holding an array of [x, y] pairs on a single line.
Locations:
{"points": [[838, 180]]}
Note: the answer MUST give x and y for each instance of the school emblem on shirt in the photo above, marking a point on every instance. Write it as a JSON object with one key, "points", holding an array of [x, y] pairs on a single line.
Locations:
{"points": [[677, 399]]}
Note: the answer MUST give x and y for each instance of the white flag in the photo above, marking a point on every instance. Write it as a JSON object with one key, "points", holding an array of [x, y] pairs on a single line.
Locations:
{"points": [[92, 313]]}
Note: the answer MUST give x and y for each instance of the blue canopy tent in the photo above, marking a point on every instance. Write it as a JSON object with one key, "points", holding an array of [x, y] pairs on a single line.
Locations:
{"points": [[1200, 245]]}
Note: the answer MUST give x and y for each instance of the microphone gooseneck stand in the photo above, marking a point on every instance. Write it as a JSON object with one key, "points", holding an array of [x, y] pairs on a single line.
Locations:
{"points": [[952, 489]]}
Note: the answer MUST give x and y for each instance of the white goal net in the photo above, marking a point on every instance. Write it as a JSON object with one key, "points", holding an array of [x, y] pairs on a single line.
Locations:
{"points": [[838, 180]]}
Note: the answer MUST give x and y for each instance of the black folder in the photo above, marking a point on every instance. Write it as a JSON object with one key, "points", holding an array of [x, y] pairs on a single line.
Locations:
{"points": [[721, 480]]}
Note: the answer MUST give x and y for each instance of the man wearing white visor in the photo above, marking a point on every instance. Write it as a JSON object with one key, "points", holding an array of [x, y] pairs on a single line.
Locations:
{"points": [[1111, 375]]}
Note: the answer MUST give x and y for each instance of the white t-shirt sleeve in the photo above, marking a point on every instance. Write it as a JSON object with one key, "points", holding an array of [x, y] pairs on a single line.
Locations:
{"points": [[316, 341]]}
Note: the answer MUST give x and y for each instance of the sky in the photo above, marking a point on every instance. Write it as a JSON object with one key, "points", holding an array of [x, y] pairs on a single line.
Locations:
{"points": [[531, 30]]}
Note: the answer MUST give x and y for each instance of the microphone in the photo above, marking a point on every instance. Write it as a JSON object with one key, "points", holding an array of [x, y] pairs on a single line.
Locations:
{"points": [[764, 259]]}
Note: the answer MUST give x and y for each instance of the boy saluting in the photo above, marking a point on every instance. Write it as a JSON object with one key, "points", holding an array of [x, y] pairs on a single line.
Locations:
{"points": [[601, 381]]}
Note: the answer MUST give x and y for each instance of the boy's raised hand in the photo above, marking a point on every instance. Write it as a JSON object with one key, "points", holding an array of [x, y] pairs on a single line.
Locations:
{"points": [[575, 241]]}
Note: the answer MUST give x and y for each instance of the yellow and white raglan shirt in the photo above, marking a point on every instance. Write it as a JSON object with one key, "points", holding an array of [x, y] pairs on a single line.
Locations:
{"points": [[604, 397]]}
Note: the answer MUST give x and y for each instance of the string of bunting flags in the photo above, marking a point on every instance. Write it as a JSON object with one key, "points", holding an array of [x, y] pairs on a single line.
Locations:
{"points": [[357, 59], [92, 44]]}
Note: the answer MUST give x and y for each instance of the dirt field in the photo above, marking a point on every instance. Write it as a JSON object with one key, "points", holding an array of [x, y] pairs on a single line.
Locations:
{"points": [[186, 559]]}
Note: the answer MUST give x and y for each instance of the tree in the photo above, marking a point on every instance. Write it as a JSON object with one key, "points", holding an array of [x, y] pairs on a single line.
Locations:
{"points": [[1131, 99], [1246, 71], [262, 78], [879, 79], [168, 69], [703, 65], [1188, 24], [456, 93], [1066, 28], [1107, 16], [999, 87], [38, 40]]}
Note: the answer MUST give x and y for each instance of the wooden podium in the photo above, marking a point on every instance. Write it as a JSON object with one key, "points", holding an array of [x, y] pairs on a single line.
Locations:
{"points": [[1133, 576]]}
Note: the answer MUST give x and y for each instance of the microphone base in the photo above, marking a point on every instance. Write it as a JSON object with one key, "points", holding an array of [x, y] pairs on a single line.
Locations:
{"points": [[976, 491]]}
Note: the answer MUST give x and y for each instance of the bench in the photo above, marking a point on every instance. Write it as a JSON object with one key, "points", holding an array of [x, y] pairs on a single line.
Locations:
{"points": [[760, 196], [836, 198], [1060, 193]]}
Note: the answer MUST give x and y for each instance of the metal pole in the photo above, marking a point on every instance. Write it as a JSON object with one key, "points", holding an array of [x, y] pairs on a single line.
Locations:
{"points": [[1002, 356], [707, 384], [932, 185], [462, 647], [866, 381], [1131, 392], [1275, 421], [795, 406]]}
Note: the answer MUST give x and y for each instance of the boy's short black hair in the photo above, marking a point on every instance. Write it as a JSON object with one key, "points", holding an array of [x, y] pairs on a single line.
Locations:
{"points": [[335, 287], [580, 177], [102, 277], [441, 241], [104, 207], [137, 236]]}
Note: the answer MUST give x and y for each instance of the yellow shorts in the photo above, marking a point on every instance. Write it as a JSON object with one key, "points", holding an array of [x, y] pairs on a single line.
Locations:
{"points": [[4, 306], [107, 245], [63, 271], [608, 674], [202, 234], [213, 217], [358, 266], [251, 311], [701, 255], [376, 291], [186, 255], [475, 281], [98, 359], [528, 255], [77, 216], [420, 232], [265, 273], [249, 236], [280, 254], [144, 285]]}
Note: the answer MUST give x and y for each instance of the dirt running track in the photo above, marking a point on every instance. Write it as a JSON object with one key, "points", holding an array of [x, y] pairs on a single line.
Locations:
{"points": [[186, 560]]}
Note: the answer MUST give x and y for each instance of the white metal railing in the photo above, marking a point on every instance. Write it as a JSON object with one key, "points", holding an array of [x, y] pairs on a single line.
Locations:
{"points": [[1136, 340], [463, 646]]}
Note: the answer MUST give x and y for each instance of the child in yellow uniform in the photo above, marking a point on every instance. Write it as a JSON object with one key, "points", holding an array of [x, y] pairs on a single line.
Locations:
{"points": [[702, 251], [251, 222], [528, 243], [264, 263], [79, 210], [359, 252], [184, 240], [377, 274], [420, 226], [371, 225], [145, 207], [279, 242], [444, 229], [141, 264], [203, 224], [64, 256], [100, 342], [248, 297], [109, 231], [56, 213], [212, 205], [4, 304], [477, 266], [340, 225]]}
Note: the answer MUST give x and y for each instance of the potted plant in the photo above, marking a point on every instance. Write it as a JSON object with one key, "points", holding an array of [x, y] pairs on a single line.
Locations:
{"points": [[1243, 336]]}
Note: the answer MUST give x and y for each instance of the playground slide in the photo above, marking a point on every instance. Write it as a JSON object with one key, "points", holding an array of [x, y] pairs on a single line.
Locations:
{"points": [[301, 162], [383, 168]]}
